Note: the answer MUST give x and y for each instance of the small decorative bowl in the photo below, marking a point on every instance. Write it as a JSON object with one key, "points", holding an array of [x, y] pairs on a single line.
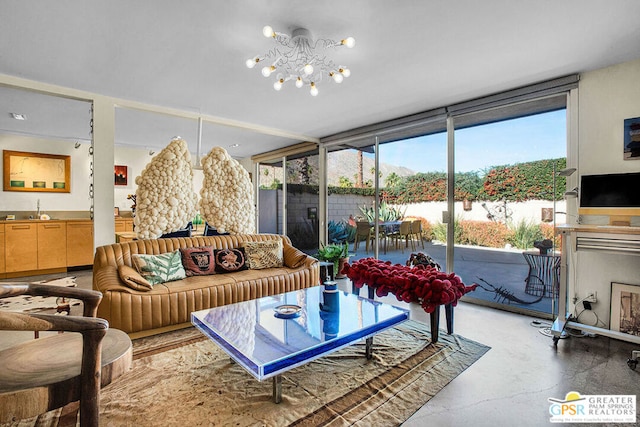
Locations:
{"points": [[287, 311]]}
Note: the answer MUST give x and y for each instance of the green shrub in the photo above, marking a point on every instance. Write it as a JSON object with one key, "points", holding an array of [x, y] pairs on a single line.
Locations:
{"points": [[483, 233], [524, 234]]}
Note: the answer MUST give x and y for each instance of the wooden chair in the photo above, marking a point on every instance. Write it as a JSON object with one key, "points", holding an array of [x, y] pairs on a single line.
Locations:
{"points": [[40, 375], [405, 233], [416, 230], [363, 232]]}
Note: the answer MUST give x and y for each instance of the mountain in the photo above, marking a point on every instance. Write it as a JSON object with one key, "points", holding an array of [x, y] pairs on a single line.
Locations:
{"points": [[340, 164]]}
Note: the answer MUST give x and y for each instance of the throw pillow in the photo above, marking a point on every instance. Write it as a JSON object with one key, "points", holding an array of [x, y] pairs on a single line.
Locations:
{"points": [[293, 257], [160, 268], [133, 279], [230, 260], [266, 254], [198, 261]]}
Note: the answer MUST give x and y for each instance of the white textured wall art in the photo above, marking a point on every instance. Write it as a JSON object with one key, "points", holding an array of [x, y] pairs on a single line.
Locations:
{"points": [[226, 197], [165, 200]]}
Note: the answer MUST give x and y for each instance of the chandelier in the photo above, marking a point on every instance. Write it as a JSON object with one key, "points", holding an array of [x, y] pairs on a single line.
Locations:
{"points": [[297, 58]]}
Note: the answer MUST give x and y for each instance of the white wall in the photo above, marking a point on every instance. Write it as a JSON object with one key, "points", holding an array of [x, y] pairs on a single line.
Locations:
{"points": [[607, 97], [76, 200]]}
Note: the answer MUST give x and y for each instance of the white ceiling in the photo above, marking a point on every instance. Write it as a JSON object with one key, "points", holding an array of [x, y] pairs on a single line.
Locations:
{"points": [[410, 56]]}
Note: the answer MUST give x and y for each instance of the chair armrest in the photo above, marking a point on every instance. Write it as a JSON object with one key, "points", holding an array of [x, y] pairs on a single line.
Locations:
{"points": [[90, 298], [11, 321]]}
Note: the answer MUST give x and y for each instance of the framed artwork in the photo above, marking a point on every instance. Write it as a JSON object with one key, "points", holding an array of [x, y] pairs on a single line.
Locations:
{"points": [[24, 171], [116, 211], [120, 175], [632, 139], [625, 308]]}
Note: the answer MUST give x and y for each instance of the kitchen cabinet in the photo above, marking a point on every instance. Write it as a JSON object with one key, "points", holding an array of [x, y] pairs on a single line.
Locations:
{"points": [[2, 268], [52, 245], [124, 225], [79, 243], [21, 246]]}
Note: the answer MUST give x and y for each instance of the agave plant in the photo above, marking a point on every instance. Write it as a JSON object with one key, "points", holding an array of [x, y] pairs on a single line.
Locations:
{"points": [[385, 212]]}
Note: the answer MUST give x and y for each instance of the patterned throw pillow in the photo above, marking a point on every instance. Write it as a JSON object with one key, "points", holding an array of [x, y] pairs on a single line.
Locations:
{"points": [[160, 268], [198, 261], [230, 260], [266, 254], [133, 279]]}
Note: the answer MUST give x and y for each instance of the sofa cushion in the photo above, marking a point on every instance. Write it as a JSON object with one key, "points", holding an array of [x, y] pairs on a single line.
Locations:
{"points": [[293, 257], [230, 260], [265, 254], [198, 261], [160, 268], [133, 279]]}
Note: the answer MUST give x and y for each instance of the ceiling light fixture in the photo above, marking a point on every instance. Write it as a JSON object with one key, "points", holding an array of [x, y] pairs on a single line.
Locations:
{"points": [[300, 59], [18, 116]]}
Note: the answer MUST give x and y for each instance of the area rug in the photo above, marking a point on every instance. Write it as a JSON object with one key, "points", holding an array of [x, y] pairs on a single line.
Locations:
{"points": [[29, 304], [182, 379]]}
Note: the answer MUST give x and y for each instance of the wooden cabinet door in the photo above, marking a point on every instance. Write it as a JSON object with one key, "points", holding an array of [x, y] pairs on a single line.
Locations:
{"points": [[52, 245], [128, 224], [2, 268], [120, 225], [21, 247], [79, 243]]}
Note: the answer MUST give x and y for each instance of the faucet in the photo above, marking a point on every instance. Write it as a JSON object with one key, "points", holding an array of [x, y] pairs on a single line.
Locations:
{"points": [[38, 210]]}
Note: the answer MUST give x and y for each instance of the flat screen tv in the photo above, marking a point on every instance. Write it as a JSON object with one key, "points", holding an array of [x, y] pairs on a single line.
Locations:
{"points": [[610, 191]]}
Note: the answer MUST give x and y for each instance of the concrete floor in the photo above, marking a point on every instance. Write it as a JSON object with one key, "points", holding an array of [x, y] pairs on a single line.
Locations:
{"points": [[511, 383]]}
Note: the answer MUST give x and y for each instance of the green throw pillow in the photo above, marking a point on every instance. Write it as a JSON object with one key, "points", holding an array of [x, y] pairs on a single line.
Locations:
{"points": [[160, 268]]}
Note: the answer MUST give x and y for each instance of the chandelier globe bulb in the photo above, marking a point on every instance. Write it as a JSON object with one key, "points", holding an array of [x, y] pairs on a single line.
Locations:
{"points": [[314, 89], [299, 82], [349, 42], [308, 69], [278, 84], [251, 63], [345, 71], [337, 77], [266, 71], [268, 32]]}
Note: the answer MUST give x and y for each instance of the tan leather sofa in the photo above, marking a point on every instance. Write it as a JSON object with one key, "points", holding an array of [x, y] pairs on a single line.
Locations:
{"points": [[168, 305]]}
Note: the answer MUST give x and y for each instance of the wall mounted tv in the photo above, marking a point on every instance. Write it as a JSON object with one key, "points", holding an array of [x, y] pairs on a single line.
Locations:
{"points": [[610, 191]]}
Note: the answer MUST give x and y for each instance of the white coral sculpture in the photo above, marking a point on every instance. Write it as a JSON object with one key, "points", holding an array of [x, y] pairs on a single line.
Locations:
{"points": [[226, 197], [165, 200]]}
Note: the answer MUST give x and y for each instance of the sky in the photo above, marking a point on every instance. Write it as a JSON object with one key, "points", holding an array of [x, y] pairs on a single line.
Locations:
{"points": [[538, 137]]}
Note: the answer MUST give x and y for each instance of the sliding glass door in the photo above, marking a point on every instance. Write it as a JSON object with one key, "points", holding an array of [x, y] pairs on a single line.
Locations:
{"points": [[504, 220]]}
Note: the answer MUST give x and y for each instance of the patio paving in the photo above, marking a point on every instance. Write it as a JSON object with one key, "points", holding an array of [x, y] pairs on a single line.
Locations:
{"points": [[502, 268]]}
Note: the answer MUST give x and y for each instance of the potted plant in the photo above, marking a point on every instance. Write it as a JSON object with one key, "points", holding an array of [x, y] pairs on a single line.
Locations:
{"points": [[336, 253]]}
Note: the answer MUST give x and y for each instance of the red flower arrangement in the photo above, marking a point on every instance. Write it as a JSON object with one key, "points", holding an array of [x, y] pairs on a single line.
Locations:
{"points": [[422, 284]]}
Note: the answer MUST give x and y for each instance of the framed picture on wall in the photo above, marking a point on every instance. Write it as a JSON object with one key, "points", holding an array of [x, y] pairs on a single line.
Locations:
{"points": [[24, 171], [632, 139], [625, 308], [120, 175]]}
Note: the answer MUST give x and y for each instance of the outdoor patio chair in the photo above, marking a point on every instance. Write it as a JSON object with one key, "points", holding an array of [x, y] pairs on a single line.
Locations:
{"points": [[416, 230], [405, 233], [364, 231]]}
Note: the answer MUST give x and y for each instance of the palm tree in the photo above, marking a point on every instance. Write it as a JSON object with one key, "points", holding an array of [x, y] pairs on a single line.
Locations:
{"points": [[359, 176]]}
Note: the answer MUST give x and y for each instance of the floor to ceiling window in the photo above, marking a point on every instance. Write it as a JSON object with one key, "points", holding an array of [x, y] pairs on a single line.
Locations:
{"points": [[505, 173], [288, 200], [302, 201], [485, 191]]}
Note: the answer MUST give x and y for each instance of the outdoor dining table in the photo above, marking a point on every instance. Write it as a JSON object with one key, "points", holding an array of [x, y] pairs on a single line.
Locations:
{"points": [[387, 229]]}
